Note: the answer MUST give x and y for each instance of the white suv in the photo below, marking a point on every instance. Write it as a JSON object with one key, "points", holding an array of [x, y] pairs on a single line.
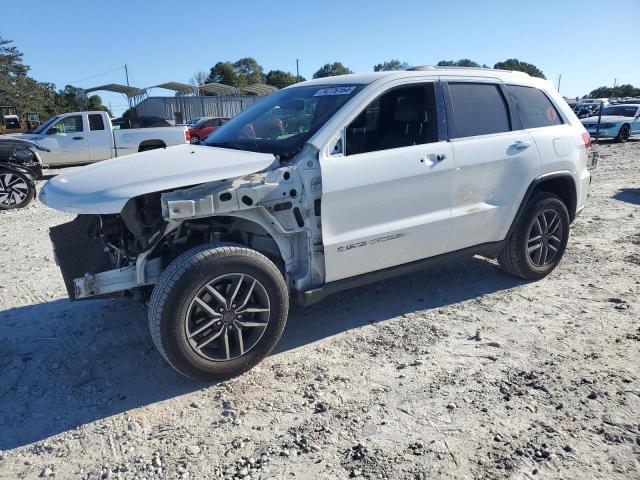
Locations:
{"points": [[320, 187]]}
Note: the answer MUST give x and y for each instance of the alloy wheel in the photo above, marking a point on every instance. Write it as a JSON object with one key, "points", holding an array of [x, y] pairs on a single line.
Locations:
{"points": [[13, 189], [624, 133], [545, 238], [227, 317]]}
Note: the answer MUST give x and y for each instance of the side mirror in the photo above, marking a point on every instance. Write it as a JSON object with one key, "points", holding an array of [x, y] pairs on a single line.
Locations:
{"points": [[52, 131]]}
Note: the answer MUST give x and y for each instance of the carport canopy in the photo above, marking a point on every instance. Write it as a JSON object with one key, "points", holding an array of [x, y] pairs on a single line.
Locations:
{"points": [[130, 92], [181, 88], [259, 89], [218, 89]]}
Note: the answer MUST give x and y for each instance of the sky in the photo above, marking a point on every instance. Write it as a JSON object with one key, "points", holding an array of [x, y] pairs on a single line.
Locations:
{"points": [[86, 43]]}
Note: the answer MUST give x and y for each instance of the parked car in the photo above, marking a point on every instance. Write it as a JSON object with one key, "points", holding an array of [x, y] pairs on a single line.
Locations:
{"points": [[126, 123], [87, 137], [586, 110], [393, 172], [619, 122], [193, 121], [20, 167], [204, 127]]}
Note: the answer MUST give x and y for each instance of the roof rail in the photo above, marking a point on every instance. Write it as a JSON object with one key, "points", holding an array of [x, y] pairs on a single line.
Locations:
{"points": [[431, 67]]}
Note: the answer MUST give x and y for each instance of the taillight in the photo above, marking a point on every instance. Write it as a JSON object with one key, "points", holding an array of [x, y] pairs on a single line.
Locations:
{"points": [[187, 135], [586, 138]]}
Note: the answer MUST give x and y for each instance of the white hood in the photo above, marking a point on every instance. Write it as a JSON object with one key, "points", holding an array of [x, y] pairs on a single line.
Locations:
{"points": [[106, 186]]}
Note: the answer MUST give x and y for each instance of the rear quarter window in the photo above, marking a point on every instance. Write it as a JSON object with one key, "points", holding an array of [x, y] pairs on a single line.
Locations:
{"points": [[534, 107], [478, 109]]}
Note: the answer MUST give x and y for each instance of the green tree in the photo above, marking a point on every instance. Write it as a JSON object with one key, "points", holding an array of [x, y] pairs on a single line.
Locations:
{"points": [[281, 79], [332, 69], [626, 90], [390, 65], [249, 71], [464, 62], [515, 64], [223, 72]]}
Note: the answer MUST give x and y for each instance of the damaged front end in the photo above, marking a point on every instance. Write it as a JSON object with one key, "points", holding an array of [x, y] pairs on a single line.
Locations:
{"points": [[276, 212]]}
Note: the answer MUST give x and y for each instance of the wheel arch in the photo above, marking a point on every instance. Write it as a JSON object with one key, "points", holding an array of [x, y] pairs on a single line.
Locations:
{"points": [[151, 144], [558, 183], [248, 229]]}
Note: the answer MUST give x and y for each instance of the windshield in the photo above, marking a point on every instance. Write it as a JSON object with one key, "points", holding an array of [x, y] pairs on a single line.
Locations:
{"points": [[620, 110], [282, 122], [45, 126]]}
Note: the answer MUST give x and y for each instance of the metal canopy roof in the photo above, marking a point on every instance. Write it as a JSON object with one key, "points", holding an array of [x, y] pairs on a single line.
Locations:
{"points": [[259, 89], [218, 89], [114, 87], [181, 88]]}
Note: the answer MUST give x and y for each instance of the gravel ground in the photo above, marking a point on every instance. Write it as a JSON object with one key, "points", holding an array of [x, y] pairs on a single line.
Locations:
{"points": [[455, 372]]}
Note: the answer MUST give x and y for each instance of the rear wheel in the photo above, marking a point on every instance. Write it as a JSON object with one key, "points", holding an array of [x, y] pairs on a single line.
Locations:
{"points": [[624, 134], [217, 311], [16, 190], [539, 238], [194, 139]]}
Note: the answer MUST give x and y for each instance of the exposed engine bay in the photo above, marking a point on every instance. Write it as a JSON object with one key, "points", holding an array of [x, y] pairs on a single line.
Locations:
{"points": [[276, 212]]}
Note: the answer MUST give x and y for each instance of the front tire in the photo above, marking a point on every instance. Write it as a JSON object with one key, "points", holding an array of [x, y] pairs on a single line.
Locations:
{"points": [[17, 190], [539, 238], [624, 134], [218, 310]]}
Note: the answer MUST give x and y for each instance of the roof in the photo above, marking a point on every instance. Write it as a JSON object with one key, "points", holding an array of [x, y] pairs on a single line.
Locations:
{"points": [[259, 89], [114, 87], [217, 89], [182, 88], [366, 78]]}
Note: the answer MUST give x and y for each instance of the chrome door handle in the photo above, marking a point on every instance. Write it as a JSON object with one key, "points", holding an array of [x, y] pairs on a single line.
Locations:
{"points": [[520, 145], [434, 158]]}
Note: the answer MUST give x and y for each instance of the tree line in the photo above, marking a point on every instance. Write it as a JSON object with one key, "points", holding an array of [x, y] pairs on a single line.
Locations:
{"points": [[18, 89]]}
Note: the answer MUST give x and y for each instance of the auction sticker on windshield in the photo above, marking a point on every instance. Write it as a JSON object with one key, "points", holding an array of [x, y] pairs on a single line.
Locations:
{"points": [[323, 92]]}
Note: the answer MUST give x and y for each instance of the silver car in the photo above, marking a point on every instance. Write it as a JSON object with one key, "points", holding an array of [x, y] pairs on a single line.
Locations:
{"points": [[619, 122]]}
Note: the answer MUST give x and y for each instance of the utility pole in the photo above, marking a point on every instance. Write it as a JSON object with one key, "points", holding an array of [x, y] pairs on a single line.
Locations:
{"points": [[559, 80], [297, 69], [126, 73]]}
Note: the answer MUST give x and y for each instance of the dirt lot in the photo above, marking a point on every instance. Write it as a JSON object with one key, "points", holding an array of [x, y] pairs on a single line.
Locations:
{"points": [[456, 372]]}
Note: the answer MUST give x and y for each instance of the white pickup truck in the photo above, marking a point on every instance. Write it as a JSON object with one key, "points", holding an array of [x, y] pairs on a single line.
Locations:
{"points": [[87, 137]]}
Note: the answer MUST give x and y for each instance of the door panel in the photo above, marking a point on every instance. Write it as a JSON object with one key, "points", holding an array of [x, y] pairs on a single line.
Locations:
{"points": [[491, 175], [385, 208], [69, 144]]}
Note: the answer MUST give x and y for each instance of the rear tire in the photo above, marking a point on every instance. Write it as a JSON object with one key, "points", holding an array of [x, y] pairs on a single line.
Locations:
{"points": [[623, 134], [218, 310], [538, 240], [17, 189]]}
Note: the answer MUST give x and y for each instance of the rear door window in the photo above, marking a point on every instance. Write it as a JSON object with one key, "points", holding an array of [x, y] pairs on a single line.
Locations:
{"points": [[534, 107], [96, 122], [478, 109]]}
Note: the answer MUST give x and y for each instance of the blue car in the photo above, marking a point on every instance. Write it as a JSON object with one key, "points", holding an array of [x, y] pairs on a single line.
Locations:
{"points": [[619, 122]]}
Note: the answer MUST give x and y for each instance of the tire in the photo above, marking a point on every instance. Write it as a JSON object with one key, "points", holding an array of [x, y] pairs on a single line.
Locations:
{"points": [[182, 327], [17, 190], [522, 249], [194, 139], [623, 134]]}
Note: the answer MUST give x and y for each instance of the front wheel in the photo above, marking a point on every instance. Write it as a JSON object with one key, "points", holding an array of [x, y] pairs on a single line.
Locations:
{"points": [[624, 134], [217, 311], [16, 190], [539, 238]]}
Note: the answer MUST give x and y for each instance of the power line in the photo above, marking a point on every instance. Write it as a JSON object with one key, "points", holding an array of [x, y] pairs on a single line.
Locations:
{"points": [[94, 76]]}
